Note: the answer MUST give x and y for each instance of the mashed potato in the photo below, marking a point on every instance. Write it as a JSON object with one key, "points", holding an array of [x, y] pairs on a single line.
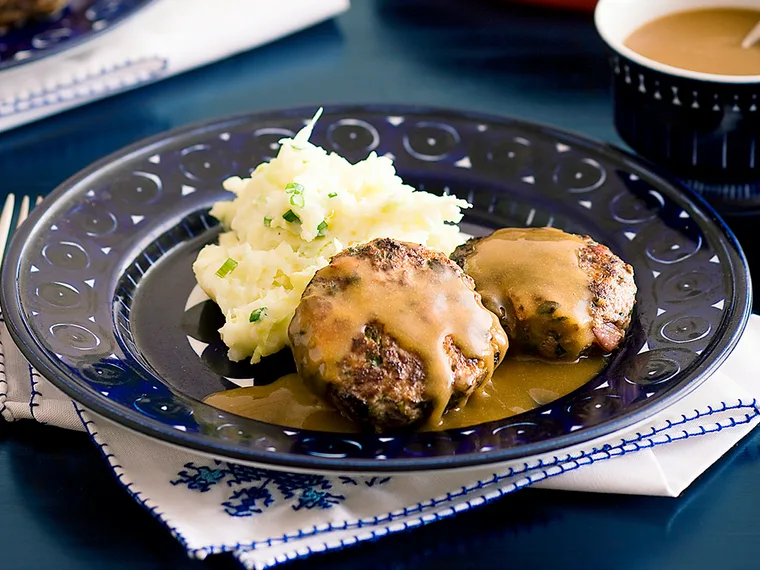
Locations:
{"points": [[289, 218]]}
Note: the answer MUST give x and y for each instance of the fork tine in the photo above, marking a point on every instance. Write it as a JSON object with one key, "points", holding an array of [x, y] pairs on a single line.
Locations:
{"points": [[38, 200], [5, 223], [23, 211]]}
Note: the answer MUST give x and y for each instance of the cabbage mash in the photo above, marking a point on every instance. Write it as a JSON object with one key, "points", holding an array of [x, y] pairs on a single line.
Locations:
{"points": [[289, 218]]}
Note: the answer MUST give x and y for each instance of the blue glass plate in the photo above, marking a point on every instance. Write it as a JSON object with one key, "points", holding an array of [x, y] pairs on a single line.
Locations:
{"points": [[96, 283], [80, 21]]}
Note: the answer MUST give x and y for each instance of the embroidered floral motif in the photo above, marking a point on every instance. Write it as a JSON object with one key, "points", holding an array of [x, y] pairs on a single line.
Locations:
{"points": [[372, 481], [312, 498], [200, 478], [368, 481], [290, 483], [305, 491], [240, 474], [245, 502]]}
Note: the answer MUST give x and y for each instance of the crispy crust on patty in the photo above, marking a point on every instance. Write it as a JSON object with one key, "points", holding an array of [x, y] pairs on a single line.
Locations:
{"points": [[379, 383]]}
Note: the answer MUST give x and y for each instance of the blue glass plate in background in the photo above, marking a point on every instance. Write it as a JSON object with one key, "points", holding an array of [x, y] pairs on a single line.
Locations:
{"points": [[96, 283], [80, 21]]}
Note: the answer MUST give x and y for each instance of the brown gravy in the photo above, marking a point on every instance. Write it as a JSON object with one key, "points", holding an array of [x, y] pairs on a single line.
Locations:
{"points": [[532, 279], [420, 307], [518, 385], [707, 40]]}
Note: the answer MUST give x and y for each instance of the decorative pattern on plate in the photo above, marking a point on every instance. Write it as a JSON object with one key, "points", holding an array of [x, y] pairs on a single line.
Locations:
{"points": [[80, 21], [96, 284]]}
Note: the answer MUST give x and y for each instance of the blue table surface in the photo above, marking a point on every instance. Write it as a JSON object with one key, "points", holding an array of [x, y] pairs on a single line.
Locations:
{"points": [[60, 506]]}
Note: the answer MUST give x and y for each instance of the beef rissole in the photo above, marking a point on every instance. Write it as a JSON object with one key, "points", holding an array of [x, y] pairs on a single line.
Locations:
{"points": [[557, 295], [394, 334]]}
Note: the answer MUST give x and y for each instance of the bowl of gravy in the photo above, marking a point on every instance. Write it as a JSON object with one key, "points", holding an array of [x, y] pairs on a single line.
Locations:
{"points": [[687, 94]]}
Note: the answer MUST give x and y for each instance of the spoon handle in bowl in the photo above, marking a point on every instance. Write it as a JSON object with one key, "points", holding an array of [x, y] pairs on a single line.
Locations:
{"points": [[752, 37]]}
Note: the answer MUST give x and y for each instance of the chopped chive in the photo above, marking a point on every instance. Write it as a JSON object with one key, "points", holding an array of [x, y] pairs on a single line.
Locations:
{"points": [[322, 228], [226, 267], [294, 147], [332, 194], [257, 314], [547, 308], [296, 191], [290, 216], [267, 221]]}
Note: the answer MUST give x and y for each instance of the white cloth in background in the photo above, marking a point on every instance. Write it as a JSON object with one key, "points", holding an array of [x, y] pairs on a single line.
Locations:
{"points": [[24, 394], [266, 517], [165, 38]]}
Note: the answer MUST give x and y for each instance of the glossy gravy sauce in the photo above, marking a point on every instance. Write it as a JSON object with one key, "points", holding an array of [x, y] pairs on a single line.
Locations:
{"points": [[518, 385], [707, 40], [534, 275], [418, 307]]}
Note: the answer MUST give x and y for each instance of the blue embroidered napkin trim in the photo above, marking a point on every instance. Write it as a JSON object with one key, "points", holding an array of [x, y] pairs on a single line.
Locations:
{"points": [[56, 94], [249, 501]]}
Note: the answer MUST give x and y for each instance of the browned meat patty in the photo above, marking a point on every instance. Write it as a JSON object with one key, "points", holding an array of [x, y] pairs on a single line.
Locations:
{"points": [[19, 11], [394, 334], [613, 293], [558, 295]]}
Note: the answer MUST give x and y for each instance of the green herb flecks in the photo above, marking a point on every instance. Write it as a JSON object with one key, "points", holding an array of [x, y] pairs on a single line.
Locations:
{"points": [[372, 333], [226, 268], [375, 359], [257, 314], [290, 216], [296, 191], [322, 229], [267, 221], [332, 194], [547, 308]]}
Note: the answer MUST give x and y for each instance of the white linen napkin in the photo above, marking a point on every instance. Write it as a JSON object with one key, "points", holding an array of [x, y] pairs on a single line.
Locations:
{"points": [[163, 39], [266, 517]]}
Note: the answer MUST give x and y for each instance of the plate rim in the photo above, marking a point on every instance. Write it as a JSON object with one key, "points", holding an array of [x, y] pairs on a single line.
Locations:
{"points": [[25, 340], [76, 42]]}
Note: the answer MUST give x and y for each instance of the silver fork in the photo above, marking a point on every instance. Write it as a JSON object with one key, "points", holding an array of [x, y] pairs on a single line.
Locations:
{"points": [[6, 219]]}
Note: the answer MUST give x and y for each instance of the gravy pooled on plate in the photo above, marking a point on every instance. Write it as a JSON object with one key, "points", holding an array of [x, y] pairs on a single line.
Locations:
{"points": [[518, 385], [706, 40]]}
